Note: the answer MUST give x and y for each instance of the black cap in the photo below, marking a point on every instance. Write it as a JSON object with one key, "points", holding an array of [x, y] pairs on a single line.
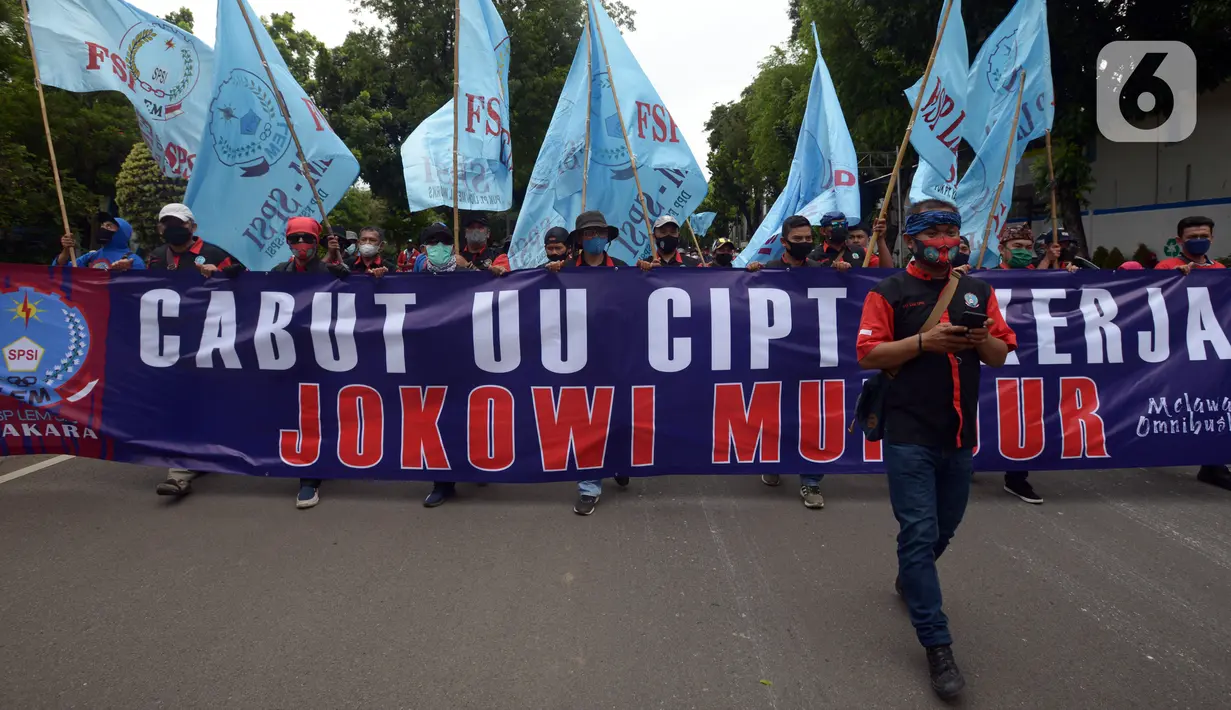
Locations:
{"points": [[594, 220], [104, 217], [557, 235], [435, 234], [470, 218]]}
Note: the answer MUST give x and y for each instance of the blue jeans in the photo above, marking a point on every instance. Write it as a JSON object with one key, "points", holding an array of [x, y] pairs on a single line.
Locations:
{"points": [[590, 488], [810, 480], [928, 487]]}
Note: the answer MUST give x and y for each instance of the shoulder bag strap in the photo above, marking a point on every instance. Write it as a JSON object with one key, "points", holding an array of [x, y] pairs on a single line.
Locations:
{"points": [[946, 297]]}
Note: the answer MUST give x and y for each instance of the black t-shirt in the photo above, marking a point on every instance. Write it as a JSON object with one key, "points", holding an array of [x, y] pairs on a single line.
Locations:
{"points": [[780, 264], [677, 259], [201, 252], [356, 264], [580, 263]]}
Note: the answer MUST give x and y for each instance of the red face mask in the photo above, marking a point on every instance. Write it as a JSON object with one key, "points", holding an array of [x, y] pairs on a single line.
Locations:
{"points": [[303, 252], [937, 250]]}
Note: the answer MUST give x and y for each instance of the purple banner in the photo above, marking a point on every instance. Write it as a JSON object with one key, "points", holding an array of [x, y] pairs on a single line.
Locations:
{"points": [[544, 377]]}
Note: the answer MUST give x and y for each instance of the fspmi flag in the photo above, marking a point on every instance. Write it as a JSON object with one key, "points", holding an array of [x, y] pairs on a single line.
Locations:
{"points": [[484, 144], [249, 181], [109, 45]]}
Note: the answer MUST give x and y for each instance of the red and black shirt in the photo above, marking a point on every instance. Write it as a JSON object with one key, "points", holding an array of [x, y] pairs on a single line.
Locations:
{"points": [[200, 253], [358, 266], [580, 262], [677, 259], [934, 399], [486, 259], [315, 265]]}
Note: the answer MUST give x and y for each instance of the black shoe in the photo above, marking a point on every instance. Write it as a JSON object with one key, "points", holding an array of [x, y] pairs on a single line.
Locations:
{"points": [[1215, 476], [585, 505], [622, 481], [1023, 490], [947, 679]]}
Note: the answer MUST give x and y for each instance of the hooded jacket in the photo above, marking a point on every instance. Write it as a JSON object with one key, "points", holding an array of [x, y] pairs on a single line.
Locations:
{"points": [[115, 250]]}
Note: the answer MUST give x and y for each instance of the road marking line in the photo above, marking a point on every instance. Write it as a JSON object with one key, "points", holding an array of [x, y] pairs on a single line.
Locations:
{"points": [[33, 468]]}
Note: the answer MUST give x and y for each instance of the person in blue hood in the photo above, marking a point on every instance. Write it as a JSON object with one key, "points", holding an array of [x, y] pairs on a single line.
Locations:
{"points": [[112, 237]]}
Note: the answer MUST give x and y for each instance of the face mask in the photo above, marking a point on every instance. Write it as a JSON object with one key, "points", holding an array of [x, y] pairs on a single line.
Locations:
{"points": [[177, 236], [350, 250], [594, 246], [303, 252], [557, 257], [439, 254], [1020, 258], [368, 251], [1197, 246], [667, 245], [475, 237], [960, 259], [799, 250], [935, 251], [103, 237], [724, 259]]}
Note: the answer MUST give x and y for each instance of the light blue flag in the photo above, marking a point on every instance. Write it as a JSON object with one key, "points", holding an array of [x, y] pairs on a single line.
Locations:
{"points": [[248, 180], [485, 146], [1020, 42], [823, 171], [701, 222], [937, 133], [976, 193], [109, 45], [671, 179]]}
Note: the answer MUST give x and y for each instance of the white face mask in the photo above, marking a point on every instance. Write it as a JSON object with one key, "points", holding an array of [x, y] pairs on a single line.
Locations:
{"points": [[475, 237], [368, 251]]}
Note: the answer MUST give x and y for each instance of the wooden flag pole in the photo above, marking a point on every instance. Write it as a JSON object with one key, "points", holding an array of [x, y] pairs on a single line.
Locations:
{"points": [[1008, 157], [457, 52], [51, 148], [910, 126], [695, 241], [585, 168], [1051, 173], [286, 114], [624, 129]]}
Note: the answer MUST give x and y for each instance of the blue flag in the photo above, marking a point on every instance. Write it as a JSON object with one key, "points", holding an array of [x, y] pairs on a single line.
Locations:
{"points": [[938, 127], [1020, 42], [485, 146], [109, 45], [976, 193], [823, 171], [671, 179], [248, 180], [701, 222]]}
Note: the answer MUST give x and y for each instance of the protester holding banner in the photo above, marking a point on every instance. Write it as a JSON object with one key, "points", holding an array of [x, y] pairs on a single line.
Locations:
{"points": [[724, 253], [556, 243], [1055, 252], [476, 253], [182, 248], [112, 237], [667, 244], [932, 328], [1194, 236], [368, 259]]}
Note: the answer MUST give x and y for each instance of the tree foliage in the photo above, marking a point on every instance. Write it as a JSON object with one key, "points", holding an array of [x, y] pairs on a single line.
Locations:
{"points": [[141, 191], [182, 18], [359, 208]]}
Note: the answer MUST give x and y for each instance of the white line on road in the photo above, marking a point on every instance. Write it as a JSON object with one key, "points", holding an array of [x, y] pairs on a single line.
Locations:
{"points": [[34, 468]]}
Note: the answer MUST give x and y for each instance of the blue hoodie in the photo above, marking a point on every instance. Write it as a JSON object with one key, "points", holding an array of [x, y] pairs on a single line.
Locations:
{"points": [[115, 250]]}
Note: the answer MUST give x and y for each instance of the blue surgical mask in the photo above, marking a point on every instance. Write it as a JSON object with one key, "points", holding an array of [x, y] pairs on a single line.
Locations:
{"points": [[594, 246], [439, 254], [1197, 247], [350, 250]]}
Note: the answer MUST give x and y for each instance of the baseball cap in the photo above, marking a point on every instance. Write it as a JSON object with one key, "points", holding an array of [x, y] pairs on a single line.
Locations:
{"points": [[435, 233], [830, 218], [556, 235], [720, 243], [303, 225], [472, 218], [665, 220], [178, 211]]}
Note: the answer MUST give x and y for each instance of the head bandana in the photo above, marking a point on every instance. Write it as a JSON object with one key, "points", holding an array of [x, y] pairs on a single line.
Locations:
{"points": [[919, 223]]}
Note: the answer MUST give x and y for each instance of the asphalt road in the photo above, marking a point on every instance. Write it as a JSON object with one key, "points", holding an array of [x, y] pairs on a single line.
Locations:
{"points": [[690, 592]]}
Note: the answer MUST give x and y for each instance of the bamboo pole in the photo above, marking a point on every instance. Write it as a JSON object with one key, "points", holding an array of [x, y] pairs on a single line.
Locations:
{"points": [[1008, 157], [624, 129], [695, 241], [910, 126], [51, 148], [585, 168], [286, 114], [457, 42], [1051, 173]]}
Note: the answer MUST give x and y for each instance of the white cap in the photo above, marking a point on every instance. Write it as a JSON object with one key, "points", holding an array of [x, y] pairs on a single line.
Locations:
{"points": [[178, 211], [665, 220]]}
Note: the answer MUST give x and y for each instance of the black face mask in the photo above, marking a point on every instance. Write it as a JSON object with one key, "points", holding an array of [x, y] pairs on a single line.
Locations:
{"points": [[838, 237], [724, 259], [557, 257], [177, 236], [668, 245], [960, 259], [799, 250], [102, 237]]}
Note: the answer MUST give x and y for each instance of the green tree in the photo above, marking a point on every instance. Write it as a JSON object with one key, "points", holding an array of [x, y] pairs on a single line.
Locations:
{"points": [[181, 18], [299, 48], [359, 208], [141, 191]]}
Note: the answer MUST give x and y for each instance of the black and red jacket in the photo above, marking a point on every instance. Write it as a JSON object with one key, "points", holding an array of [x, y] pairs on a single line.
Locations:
{"points": [[580, 263], [677, 259], [358, 266], [315, 265], [200, 253], [934, 399]]}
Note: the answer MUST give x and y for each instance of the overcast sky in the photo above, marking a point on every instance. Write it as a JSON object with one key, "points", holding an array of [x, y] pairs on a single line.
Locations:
{"points": [[696, 52]]}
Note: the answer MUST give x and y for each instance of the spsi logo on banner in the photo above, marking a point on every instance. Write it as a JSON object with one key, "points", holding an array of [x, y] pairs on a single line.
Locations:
{"points": [[46, 343]]}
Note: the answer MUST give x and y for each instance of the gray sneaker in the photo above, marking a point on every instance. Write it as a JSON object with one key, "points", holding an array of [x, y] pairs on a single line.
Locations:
{"points": [[812, 497], [771, 479]]}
